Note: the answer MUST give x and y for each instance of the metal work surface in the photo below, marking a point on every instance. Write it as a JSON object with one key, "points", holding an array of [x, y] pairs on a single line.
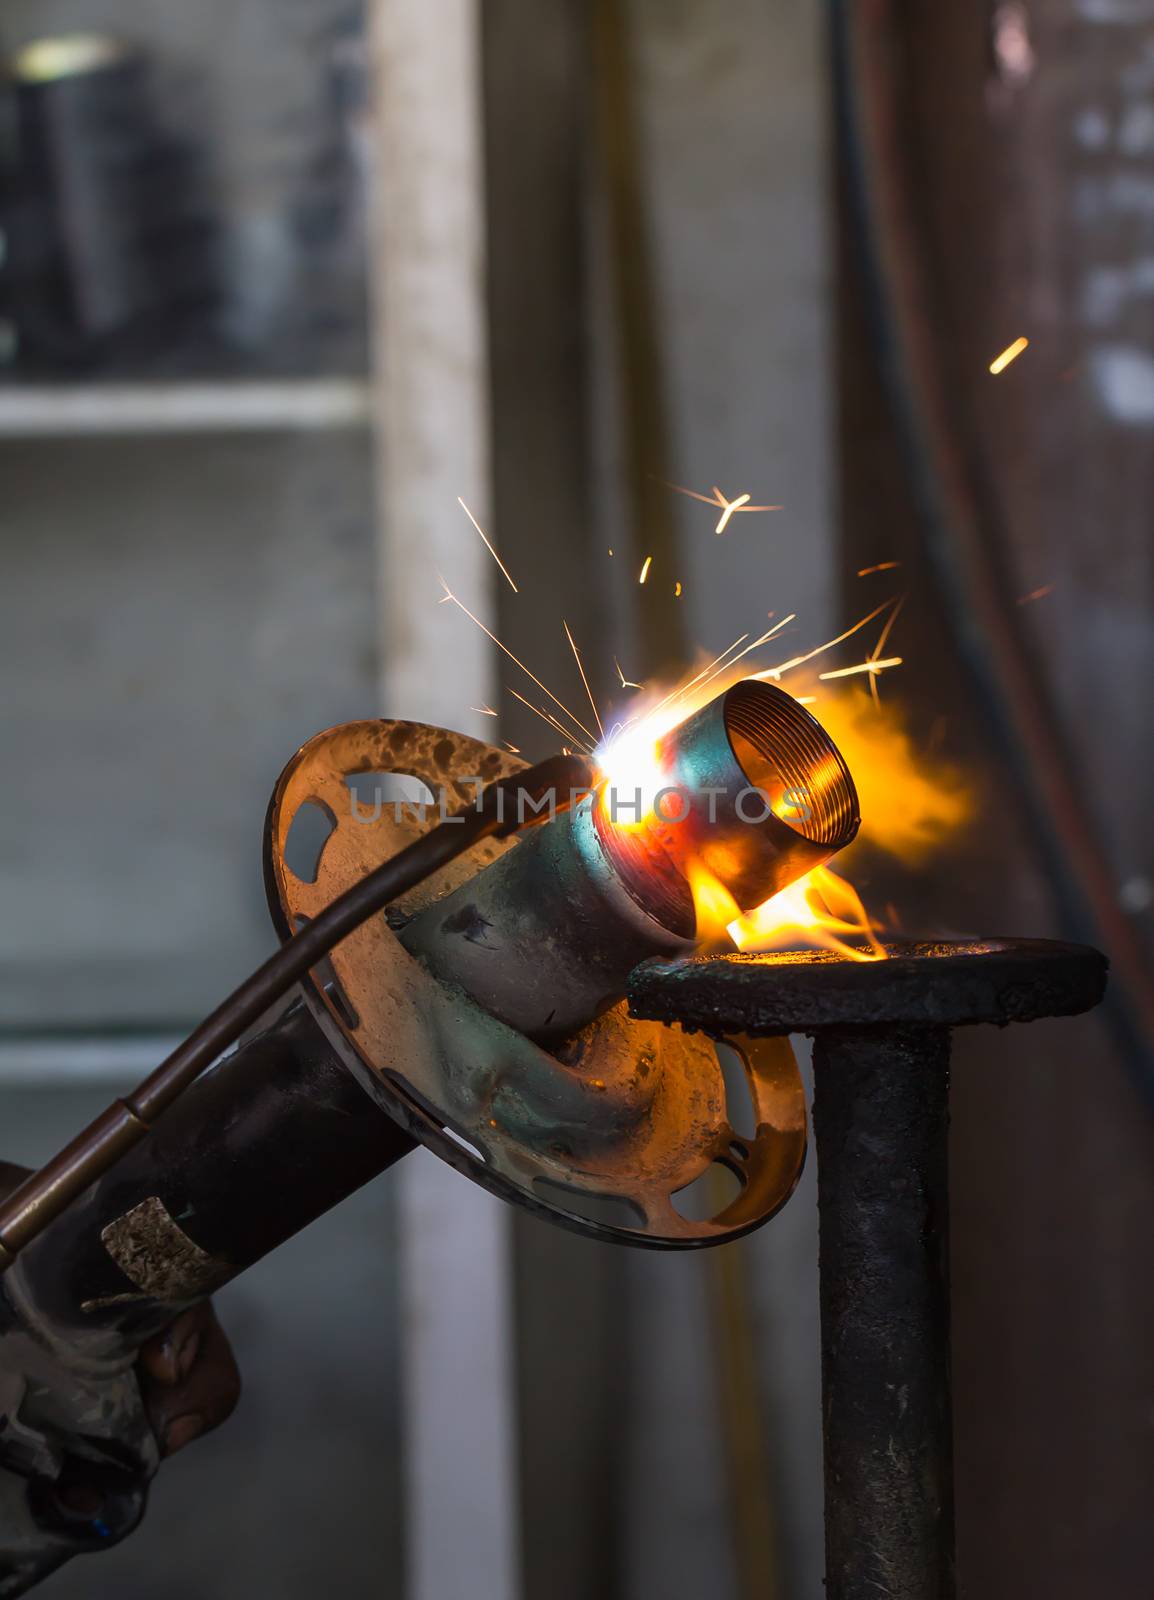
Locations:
{"points": [[881, 1129], [927, 983], [602, 1135]]}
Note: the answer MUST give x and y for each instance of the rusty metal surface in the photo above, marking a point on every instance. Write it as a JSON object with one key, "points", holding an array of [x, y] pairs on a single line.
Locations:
{"points": [[599, 1136], [154, 1252], [932, 983]]}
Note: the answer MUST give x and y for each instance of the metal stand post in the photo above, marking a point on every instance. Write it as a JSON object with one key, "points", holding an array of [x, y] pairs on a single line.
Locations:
{"points": [[881, 1032], [881, 1118]]}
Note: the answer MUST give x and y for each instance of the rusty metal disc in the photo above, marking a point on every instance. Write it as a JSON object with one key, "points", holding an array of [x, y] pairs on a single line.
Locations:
{"points": [[606, 1135]]}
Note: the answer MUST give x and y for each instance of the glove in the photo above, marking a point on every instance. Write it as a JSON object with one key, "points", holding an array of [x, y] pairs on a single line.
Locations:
{"points": [[187, 1382]]}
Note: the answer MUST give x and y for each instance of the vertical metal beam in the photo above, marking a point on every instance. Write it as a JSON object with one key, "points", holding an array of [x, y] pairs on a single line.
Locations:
{"points": [[430, 390]]}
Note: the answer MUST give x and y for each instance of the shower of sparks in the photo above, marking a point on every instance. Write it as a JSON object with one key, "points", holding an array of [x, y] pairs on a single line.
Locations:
{"points": [[1010, 353], [504, 648], [799, 661], [872, 667], [683, 689], [584, 679], [1036, 594], [750, 648], [488, 546], [820, 920], [727, 507]]}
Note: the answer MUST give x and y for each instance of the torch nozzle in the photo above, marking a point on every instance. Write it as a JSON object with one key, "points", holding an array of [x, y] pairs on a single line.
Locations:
{"points": [[537, 793]]}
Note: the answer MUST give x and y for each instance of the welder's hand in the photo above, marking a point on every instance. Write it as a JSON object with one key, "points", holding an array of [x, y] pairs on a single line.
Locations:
{"points": [[189, 1378], [188, 1375]]}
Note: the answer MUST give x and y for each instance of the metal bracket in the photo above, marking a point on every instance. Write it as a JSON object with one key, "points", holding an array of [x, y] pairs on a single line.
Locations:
{"points": [[600, 1136]]}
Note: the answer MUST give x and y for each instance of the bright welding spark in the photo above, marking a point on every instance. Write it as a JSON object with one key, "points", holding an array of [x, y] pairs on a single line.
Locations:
{"points": [[1035, 594], [648, 562], [677, 590], [488, 546], [1010, 353], [516, 749], [882, 566], [461, 606], [483, 711], [863, 666], [883, 639], [584, 679], [726, 506], [626, 683], [798, 661], [730, 507]]}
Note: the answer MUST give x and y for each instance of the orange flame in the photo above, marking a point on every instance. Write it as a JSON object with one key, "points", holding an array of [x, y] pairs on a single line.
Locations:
{"points": [[820, 909], [909, 804], [715, 907]]}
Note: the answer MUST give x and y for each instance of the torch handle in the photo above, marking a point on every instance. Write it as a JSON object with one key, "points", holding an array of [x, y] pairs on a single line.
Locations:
{"points": [[500, 811], [274, 1136]]}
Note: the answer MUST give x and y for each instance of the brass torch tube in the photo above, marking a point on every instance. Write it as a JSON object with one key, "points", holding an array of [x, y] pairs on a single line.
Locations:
{"points": [[272, 1137]]}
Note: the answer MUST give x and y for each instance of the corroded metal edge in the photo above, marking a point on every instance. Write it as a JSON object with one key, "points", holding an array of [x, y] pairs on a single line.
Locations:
{"points": [[923, 983]]}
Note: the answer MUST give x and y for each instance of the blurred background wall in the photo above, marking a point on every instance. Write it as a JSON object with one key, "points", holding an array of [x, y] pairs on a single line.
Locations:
{"points": [[212, 546]]}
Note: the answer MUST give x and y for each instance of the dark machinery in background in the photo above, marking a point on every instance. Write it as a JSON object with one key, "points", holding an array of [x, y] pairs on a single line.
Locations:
{"points": [[110, 241], [129, 249], [482, 1016]]}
